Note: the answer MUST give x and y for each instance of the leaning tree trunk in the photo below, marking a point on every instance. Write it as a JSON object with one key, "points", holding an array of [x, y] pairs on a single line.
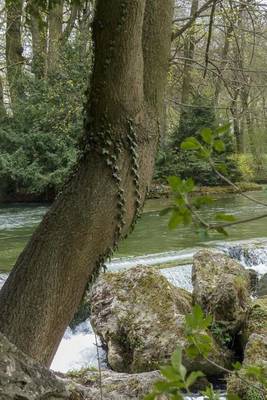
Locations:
{"points": [[102, 199]]}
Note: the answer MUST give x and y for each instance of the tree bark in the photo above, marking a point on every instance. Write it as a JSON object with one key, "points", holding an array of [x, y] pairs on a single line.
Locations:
{"points": [[14, 49], [2, 104], [55, 25], [189, 49], [74, 11], [101, 200], [38, 28], [224, 62]]}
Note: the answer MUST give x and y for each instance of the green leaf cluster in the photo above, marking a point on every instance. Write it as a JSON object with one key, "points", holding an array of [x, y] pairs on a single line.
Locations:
{"points": [[176, 379]]}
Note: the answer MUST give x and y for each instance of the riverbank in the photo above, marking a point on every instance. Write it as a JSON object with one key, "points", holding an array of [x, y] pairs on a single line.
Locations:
{"points": [[161, 190], [157, 190]]}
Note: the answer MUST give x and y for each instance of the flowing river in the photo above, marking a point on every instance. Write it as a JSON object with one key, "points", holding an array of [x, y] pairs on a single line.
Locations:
{"points": [[152, 243]]}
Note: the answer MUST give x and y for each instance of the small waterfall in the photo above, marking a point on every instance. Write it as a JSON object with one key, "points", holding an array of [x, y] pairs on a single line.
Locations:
{"points": [[3, 277], [249, 255], [180, 257], [77, 349]]}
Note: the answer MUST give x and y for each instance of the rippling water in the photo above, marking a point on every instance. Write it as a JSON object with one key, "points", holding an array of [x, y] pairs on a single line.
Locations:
{"points": [[151, 235]]}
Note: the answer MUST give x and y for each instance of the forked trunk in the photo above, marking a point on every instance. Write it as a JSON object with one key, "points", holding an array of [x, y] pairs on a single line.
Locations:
{"points": [[101, 200]]}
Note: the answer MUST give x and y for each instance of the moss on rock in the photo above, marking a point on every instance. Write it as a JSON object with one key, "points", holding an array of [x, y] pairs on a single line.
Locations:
{"points": [[140, 318], [221, 287]]}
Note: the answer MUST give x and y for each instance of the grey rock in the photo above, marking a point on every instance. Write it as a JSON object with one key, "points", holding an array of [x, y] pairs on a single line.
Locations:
{"points": [[115, 386], [221, 287], [21, 378], [262, 286]]}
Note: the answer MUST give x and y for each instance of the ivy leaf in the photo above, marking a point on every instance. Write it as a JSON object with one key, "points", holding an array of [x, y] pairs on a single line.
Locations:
{"points": [[221, 230], [197, 319], [176, 219], [192, 377], [225, 217], [237, 366], [202, 200], [222, 168], [219, 146], [191, 143], [188, 185], [209, 393], [187, 217], [169, 373], [206, 135], [162, 386], [176, 358], [204, 153], [165, 211], [223, 129], [203, 234], [175, 183], [192, 351]]}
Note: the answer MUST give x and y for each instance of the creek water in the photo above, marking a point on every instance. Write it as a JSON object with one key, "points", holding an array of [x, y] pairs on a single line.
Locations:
{"points": [[152, 243]]}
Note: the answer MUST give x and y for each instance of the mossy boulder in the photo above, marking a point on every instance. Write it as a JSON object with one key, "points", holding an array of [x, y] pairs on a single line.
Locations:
{"points": [[256, 321], [247, 388], [140, 318], [221, 287], [254, 338]]}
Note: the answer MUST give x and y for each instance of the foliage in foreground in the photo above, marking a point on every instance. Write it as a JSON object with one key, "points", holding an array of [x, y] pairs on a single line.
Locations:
{"points": [[177, 383], [185, 207]]}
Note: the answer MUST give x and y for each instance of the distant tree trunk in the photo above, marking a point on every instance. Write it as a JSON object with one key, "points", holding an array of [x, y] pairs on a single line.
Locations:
{"points": [[74, 10], [238, 127], [14, 50], [84, 23], [55, 25], [189, 48], [103, 198], [2, 105], [224, 62], [38, 28]]}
